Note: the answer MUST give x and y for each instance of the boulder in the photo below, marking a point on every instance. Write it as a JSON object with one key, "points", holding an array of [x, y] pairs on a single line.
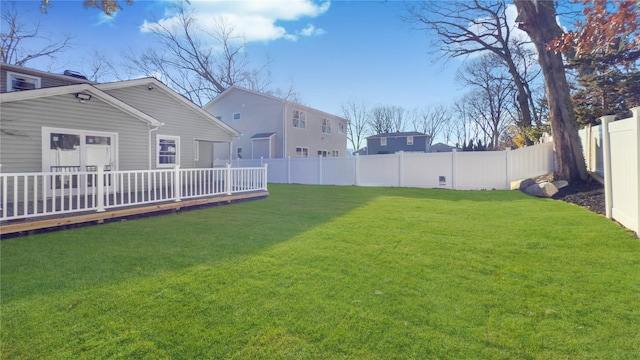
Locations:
{"points": [[560, 184], [522, 185], [543, 190]]}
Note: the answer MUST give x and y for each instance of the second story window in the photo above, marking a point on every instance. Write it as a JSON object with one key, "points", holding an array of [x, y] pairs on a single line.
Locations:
{"points": [[326, 126], [340, 128], [409, 140], [383, 141], [299, 120], [236, 116], [20, 82]]}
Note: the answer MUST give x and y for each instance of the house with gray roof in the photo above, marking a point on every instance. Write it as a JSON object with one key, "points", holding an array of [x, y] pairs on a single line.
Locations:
{"points": [[271, 127], [390, 143]]}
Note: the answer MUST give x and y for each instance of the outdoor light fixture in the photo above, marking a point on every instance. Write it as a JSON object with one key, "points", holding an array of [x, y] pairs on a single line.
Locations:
{"points": [[82, 97]]}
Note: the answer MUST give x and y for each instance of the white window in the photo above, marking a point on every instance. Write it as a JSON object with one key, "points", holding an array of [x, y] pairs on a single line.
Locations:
{"points": [[340, 128], [322, 153], [383, 141], [302, 152], [236, 116], [326, 126], [409, 140], [335, 153], [299, 120], [168, 153], [19, 82], [196, 150], [239, 152]]}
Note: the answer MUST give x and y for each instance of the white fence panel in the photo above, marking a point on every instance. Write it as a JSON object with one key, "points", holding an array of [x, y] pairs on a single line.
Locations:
{"points": [[624, 138], [278, 170], [304, 171], [531, 161], [338, 171], [481, 170], [592, 146], [379, 170], [427, 170]]}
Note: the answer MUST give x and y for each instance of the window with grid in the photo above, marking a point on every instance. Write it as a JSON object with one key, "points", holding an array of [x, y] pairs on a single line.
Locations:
{"points": [[299, 120], [302, 152], [326, 126], [168, 151]]}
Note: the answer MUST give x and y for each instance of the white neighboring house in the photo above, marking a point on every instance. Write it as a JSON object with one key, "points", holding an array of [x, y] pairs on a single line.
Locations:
{"points": [[271, 127]]}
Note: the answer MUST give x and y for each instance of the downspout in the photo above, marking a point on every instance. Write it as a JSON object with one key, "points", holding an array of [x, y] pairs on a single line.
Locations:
{"points": [[151, 145]]}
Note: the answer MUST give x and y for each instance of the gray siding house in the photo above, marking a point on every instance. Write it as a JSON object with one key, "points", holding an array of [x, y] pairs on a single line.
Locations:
{"points": [[125, 125], [391, 143], [275, 128]]}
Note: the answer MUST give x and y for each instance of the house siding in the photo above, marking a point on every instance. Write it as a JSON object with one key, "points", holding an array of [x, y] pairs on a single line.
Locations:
{"points": [[396, 144], [178, 118], [46, 80], [22, 123], [312, 136], [258, 114]]}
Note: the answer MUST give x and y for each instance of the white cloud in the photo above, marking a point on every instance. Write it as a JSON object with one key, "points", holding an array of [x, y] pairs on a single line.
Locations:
{"points": [[104, 19], [254, 20]]}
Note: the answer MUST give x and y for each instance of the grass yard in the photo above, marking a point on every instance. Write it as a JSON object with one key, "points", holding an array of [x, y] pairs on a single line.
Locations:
{"points": [[321, 272]]}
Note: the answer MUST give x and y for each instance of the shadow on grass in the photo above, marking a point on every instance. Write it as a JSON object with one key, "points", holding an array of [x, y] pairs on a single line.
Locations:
{"points": [[99, 255]]}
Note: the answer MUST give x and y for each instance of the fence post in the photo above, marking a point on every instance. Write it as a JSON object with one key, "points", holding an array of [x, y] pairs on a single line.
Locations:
{"points": [[507, 156], [606, 157], [636, 116], [357, 170], [454, 154], [400, 168], [228, 179], [320, 170], [265, 177], [177, 189], [289, 169], [99, 189]]}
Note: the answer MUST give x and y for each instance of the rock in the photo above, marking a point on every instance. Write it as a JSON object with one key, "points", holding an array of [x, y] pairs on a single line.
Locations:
{"points": [[543, 189], [522, 185], [559, 184]]}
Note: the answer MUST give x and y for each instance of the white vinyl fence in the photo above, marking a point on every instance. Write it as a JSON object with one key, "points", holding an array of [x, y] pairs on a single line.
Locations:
{"points": [[455, 170], [26, 195], [613, 151]]}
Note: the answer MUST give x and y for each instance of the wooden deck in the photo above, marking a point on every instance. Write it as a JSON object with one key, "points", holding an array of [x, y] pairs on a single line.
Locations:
{"points": [[31, 225]]}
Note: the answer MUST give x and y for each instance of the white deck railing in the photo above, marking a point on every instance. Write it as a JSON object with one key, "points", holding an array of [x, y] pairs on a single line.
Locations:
{"points": [[26, 195]]}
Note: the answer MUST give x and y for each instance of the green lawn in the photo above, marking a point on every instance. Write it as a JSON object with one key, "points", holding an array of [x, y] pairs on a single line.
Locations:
{"points": [[320, 272]]}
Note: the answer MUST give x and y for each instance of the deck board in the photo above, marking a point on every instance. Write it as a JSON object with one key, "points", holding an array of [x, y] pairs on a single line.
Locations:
{"points": [[33, 224]]}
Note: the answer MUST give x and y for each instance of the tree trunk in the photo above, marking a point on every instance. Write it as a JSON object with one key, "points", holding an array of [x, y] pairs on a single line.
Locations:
{"points": [[538, 19]]}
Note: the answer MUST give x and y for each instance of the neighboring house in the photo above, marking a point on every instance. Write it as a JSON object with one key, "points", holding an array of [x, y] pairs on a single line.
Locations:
{"points": [[441, 147], [65, 123], [275, 128], [391, 143]]}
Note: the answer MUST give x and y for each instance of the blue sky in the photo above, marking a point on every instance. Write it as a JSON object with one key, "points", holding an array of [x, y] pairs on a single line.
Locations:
{"points": [[331, 51]]}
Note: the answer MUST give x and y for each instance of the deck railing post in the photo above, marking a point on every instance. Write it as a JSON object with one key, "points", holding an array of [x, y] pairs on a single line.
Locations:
{"points": [[264, 178], [177, 189], [228, 179], [99, 189]]}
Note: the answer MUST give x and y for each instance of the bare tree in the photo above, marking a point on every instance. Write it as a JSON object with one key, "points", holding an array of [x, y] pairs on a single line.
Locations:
{"points": [[196, 62], [358, 115], [463, 28], [387, 119], [19, 42], [492, 97], [432, 121], [538, 19]]}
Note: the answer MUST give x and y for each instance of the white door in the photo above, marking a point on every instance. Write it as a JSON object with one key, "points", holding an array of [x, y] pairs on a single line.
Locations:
{"points": [[67, 151]]}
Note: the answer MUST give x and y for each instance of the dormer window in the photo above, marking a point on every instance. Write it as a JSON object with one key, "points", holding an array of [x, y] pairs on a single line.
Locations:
{"points": [[20, 82]]}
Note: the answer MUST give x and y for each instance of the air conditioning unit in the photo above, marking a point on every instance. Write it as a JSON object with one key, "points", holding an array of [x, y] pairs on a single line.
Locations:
{"points": [[21, 84]]}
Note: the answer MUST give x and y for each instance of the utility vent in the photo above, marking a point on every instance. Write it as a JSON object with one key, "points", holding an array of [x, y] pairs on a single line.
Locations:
{"points": [[74, 74]]}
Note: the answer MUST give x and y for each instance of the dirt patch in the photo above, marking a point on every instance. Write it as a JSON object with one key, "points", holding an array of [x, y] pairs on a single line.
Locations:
{"points": [[589, 195]]}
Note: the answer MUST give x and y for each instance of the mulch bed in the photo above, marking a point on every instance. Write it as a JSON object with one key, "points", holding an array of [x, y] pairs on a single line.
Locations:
{"points": [[589, 195]]}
